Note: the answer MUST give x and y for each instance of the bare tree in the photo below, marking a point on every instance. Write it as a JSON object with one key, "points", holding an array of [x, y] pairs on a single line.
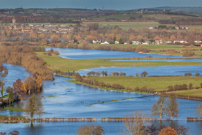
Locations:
{"points": [[33, 105], [199, 109], [187, 52], [134, 124], [159, 108], [172, 107], [2, 83], [144, 74]]}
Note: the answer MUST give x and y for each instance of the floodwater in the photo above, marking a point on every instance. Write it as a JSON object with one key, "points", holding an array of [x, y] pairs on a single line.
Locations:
{"points": [[73, 100], [152, 71], [63, 99], [100, 54]]}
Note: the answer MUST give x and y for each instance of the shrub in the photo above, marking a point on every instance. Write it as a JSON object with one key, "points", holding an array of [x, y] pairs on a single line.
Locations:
{"points": [[137, 89], [78, 77], [170, 88], [197, 74], [144, 74], [190, 86]]}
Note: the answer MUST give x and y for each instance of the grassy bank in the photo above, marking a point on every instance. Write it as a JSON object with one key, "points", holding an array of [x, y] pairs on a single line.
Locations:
{"points": [[5, 116], [16, 109], [157, 83], [161, 49], [58, 63], [194, 92]]}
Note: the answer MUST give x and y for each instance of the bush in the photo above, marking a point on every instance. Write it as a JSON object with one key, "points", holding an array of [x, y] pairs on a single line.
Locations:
{"points": [[190, 86], [137, 89], [91, 130], [188, 52], [144, 74], [78, 77], [170, 88], [197, 74]]}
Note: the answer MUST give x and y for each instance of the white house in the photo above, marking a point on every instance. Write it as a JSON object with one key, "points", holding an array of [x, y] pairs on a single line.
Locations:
{"points": [[198, 42], [105, 43], [136, 42], [116, 42]]}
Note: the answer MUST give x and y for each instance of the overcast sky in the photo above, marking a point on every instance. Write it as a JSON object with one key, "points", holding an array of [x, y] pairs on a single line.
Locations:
{"points": [[99, 4]]}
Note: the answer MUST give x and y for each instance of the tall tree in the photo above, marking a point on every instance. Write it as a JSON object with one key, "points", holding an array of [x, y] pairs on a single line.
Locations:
{"points": [[17, 85], [133, 125], [33, 106], [11, 96], [172, 107], [199, 109], [2, 83], [159, 108]]}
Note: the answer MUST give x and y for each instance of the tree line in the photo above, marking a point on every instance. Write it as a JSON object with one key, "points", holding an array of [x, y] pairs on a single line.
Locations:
{"points": [[26, 57], [179, 87], [41, 19]]}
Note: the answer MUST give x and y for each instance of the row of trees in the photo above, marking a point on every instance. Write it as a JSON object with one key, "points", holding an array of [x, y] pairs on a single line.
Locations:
{"points": [[165, 106], [182, 22], [79, 78], [94, 82], [190, 74], [104, 73], [42, 19], [51, 52], [182, 87], [69, 73]]}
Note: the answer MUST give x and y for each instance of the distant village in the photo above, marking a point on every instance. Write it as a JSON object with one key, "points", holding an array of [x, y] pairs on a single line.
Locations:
{"points": [[67, 29]]}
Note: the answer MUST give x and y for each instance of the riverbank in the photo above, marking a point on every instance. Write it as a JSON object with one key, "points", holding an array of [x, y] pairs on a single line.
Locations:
{"points": [[153, 85], [159, 49], [164, 49]]}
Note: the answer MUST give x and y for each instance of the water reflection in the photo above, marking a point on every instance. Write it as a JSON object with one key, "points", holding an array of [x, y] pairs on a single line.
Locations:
{"points": [[66, 102], [99, 54], [71, 128], [152, 71]]}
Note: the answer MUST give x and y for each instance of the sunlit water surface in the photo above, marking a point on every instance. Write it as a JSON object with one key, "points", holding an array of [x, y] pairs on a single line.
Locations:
{"points": [[73, 100]]}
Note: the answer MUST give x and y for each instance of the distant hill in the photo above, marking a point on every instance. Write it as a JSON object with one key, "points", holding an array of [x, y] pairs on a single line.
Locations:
{"points": [[183, 9]]}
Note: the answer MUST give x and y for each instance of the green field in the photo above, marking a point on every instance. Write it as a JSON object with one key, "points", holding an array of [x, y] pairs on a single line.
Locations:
{"points": [[197, 92], [16, 109], [157, 49], [127, 25], [58, 63], [157, 83]]}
